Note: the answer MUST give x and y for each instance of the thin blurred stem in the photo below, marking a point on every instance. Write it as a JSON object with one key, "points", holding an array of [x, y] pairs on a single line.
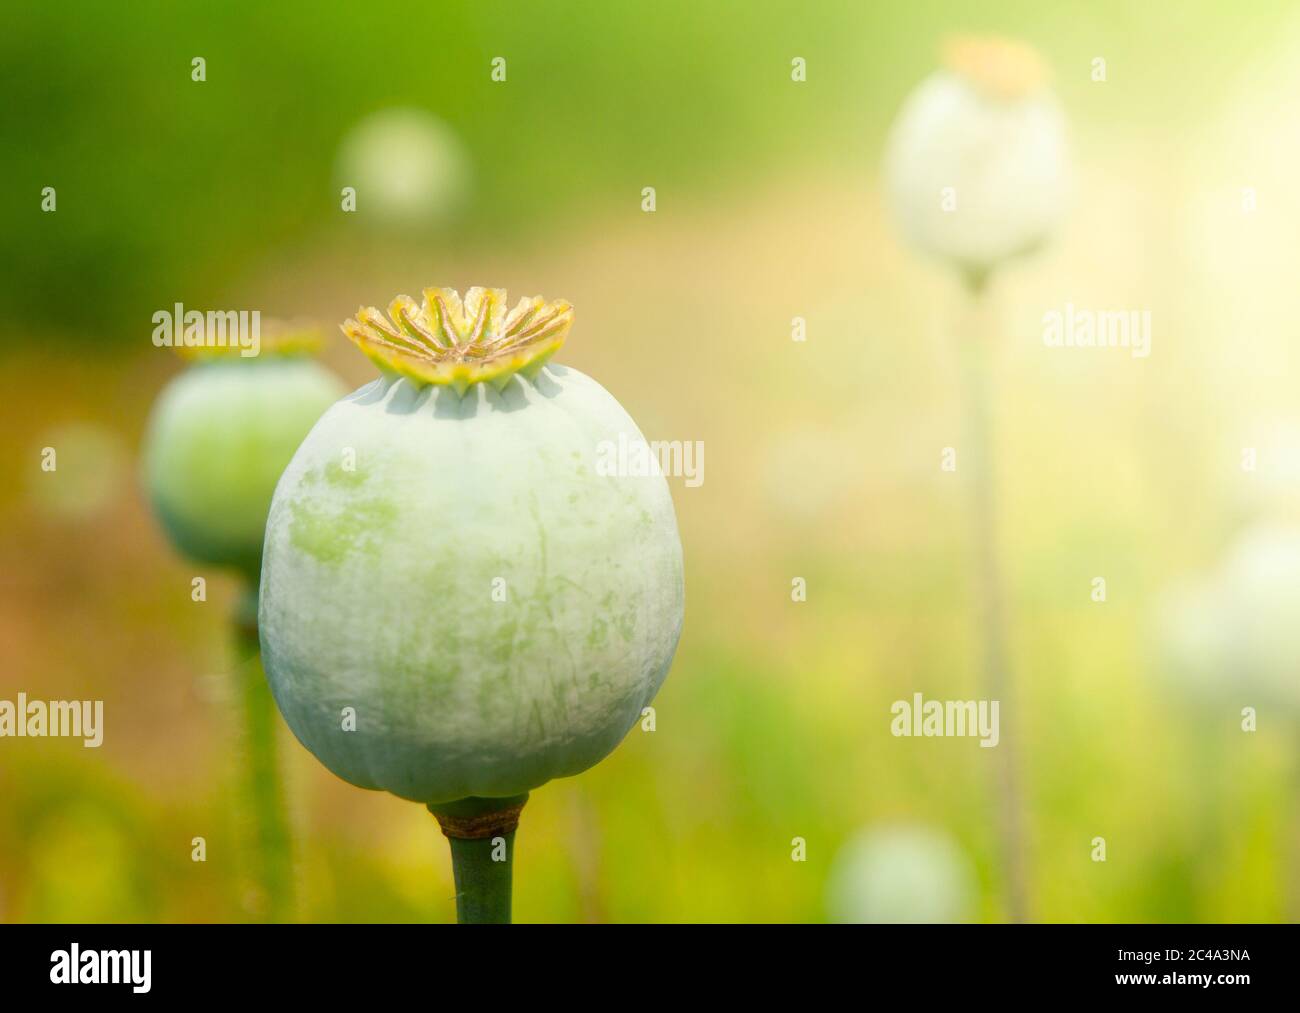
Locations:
{"points": [[268, 854], [976, 350], [1291, 850], [481, 833], [586, 855]]}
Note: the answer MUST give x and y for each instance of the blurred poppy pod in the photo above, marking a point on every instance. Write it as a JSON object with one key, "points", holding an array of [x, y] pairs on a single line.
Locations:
{"points": [[1261, 611], [405, 169], [1237, 629], [976, 164], [218, 439]]}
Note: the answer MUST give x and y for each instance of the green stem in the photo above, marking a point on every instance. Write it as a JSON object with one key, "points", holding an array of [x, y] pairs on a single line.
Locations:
{"points": [[976, 351], [481, 832], [261, 803]]}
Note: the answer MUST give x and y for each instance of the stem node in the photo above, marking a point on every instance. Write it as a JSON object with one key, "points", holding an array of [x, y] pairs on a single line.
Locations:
{"points": [[481, 833]]}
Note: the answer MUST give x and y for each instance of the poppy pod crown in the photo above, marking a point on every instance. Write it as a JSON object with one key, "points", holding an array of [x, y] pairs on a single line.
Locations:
{"points": [[455, 342]]}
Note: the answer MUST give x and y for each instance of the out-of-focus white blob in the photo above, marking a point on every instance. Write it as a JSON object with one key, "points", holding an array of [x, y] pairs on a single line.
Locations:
{"points": [[83, 467], [1237, 631], [1192, 638], [409, 169], [976, 167], [1261, 585], [903, 874]]}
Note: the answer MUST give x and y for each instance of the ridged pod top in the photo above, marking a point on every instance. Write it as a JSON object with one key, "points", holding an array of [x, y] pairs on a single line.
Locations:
{"points": [[456, 343], [276, 339]]}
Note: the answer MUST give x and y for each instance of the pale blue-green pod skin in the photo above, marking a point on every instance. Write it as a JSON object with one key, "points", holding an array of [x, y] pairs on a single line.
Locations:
{"points": [[219, 437], [382, 586]]}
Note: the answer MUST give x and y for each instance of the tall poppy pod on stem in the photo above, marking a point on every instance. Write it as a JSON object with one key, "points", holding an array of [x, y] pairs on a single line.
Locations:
{"points": [[976, 175]]}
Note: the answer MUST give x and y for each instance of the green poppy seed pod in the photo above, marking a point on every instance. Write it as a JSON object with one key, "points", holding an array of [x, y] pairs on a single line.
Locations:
{"points": [[905, 874], [218, 439], [457, 601]]}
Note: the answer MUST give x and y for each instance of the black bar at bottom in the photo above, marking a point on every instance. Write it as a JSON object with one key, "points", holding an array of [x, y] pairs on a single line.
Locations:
{"points": [[365, 962]]}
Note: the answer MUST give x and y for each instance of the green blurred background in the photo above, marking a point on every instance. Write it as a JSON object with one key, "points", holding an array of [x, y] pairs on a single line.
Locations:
{"points": [[822, 457]]}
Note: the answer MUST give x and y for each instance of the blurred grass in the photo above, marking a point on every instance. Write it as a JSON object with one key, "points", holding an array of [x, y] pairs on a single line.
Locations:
{"points": [[171, 190], [822, 458]]}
